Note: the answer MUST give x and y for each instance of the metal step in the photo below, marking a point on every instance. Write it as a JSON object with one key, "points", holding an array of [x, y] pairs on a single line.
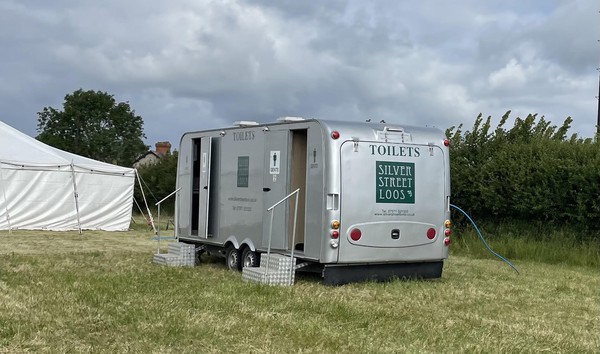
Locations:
{"points": [[179, 255], [273, 270]]}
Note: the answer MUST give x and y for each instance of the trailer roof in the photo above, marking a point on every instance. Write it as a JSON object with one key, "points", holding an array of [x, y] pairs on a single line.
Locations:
{"points": [[347, 127]]}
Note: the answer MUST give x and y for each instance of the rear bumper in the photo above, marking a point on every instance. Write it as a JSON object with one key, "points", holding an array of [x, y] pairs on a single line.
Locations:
{"points": [[344, 274]]}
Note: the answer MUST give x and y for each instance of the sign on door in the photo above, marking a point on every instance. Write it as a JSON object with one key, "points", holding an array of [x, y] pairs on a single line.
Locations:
{"points": [[275, 162]]}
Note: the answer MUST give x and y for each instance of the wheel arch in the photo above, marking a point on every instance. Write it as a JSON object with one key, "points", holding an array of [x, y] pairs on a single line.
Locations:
{"points": [[231, 241], [247, 243]]}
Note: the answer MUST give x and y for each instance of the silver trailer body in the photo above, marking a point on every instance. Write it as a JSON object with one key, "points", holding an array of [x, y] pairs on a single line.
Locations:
{"points": [[386, 185]]}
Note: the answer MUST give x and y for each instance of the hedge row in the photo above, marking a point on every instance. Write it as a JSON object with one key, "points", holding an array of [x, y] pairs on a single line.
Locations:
{"points": [[531, 172]]}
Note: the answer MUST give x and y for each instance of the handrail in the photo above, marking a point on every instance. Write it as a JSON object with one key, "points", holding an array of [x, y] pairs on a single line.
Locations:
{"points": [[158, 229], [283, 200], [173, 192], [293, 234]]}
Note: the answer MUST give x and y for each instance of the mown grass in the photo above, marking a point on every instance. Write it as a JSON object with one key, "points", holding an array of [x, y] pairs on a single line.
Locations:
{"points": [[100, 292]]}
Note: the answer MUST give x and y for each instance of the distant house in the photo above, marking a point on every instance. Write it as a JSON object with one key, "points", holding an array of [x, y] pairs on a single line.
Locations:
{"points": [[152, 157]]}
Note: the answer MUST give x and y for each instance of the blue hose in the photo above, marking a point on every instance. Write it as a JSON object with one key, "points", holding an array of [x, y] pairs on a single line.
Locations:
{"points": [[483, 240]]}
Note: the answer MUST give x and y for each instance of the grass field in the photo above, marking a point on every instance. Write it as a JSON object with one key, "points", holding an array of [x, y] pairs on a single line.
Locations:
{"points": [[100, 292], [522, 241]]}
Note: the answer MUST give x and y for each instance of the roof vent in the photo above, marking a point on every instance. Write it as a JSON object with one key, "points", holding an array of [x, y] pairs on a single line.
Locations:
{"points": [[245, 123], [290, 119]]}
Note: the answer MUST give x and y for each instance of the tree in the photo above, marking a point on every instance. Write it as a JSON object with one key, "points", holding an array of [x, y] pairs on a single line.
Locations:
{"points": [[94, 125]]}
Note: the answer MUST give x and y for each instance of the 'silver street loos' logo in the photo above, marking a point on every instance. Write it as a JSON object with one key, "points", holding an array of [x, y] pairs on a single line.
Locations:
{"points": [[395, 182]]}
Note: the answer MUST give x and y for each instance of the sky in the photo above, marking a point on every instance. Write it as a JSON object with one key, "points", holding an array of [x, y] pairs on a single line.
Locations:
{"points": [[189, 65]]}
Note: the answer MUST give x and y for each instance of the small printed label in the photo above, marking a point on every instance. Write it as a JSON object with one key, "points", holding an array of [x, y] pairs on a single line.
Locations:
{"points": [[204, 160]]}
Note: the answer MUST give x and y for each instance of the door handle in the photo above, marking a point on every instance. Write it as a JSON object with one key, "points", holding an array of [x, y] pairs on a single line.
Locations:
{"points": [[266, 189], [205, 187]]}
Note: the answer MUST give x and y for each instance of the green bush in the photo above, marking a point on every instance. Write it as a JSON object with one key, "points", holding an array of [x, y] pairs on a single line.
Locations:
{"points": [[159, 181], [532, 172]]}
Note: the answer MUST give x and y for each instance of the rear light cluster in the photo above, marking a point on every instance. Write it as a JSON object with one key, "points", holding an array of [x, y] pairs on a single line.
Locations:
{"points": [[447, 225], [335, 233], [431, 233]]}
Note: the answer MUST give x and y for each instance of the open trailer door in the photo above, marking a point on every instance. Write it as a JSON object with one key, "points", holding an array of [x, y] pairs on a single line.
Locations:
{"points": [[275, 188]]}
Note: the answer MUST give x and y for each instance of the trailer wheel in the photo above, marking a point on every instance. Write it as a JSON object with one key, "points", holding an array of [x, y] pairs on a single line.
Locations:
{"points": [[233, 258], [198, 255], [250, 258]]}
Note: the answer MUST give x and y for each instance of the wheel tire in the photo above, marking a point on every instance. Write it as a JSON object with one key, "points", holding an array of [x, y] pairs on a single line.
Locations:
{"points": [[233, 259], [250, 258], [198, 257]]}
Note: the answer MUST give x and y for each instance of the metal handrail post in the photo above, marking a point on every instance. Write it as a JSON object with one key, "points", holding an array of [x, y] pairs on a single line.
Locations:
{"points": [[293, 237], [269, 244], [158, 230], [271, 232]]}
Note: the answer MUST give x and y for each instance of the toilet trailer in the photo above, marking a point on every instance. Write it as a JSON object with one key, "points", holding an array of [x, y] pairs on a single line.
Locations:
{"points": [[373, 199]]}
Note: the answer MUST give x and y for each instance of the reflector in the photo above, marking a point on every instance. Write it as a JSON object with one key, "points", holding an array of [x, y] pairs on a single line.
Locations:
{"points": [[431, 233], [355, 234]]}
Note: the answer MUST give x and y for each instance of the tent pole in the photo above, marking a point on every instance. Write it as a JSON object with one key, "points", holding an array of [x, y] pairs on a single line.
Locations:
{"points": [[145, 202], [139, 208], [76, 197], [5, 200]]}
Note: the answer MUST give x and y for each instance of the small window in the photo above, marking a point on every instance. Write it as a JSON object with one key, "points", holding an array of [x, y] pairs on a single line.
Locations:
{"points": [[243, 171]]}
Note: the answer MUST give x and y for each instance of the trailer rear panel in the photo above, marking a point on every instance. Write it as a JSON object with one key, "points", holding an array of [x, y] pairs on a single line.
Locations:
{"points": [[393, 202]]}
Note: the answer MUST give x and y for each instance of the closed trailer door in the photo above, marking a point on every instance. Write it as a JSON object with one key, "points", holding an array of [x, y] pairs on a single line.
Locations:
{"points": [[393, 196], [275, 188]]}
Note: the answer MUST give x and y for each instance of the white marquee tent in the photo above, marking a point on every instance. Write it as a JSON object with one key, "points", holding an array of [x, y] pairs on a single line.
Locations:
{"points": [[42, 187]]}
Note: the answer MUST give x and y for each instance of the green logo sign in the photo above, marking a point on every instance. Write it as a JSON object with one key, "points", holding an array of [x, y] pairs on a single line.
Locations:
{"points": [[395, 182]]}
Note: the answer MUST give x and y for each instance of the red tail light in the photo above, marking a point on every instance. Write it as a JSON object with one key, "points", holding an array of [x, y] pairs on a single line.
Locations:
{"points": [[447, 241], [355, 234], [447, 232], [446, 142], [335, 234], [335, 134]]}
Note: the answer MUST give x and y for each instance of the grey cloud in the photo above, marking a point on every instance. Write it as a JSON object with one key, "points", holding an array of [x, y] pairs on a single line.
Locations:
{"points": [[189, 65], [304, 10]]}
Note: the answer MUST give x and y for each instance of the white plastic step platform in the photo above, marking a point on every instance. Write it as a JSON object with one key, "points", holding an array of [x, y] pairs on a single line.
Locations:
{"points": [[179, 255], [273, 270]]}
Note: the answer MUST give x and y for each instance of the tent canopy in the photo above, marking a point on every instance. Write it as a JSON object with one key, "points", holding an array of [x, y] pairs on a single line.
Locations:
{"points": [[42, 187]]}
